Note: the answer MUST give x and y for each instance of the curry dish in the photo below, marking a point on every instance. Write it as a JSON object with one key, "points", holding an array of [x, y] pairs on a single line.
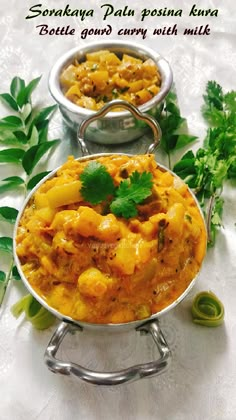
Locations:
{"points": [[104, 76], [96, 267]]}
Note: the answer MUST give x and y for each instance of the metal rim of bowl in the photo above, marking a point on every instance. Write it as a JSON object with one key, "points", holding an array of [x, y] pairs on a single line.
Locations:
{"points": [[83, 324], [116, 46]]}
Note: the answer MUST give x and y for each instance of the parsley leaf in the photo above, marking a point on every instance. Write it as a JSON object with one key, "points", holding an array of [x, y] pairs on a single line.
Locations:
{"points": [[130, 192], [97, 183]]}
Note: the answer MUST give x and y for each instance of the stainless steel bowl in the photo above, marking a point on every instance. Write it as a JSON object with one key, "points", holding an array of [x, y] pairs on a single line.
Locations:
{"points": [[115, 127], [68, 324]]}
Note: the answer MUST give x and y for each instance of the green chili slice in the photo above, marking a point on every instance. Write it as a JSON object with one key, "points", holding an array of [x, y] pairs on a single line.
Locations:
{"points": [[39, 317], [162, 225], [207, 310]]}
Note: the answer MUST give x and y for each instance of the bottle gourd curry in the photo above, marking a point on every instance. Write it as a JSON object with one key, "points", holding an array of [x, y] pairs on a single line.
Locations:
{"points": [[96, 267]]}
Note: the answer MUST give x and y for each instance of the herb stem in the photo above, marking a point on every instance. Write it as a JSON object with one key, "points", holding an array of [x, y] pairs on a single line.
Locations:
{"points": [[209, 216], [169, 160], [5, 283]]}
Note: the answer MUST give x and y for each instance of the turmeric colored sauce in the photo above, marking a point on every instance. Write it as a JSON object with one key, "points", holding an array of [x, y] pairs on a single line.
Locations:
{"points": [[95, 267]]}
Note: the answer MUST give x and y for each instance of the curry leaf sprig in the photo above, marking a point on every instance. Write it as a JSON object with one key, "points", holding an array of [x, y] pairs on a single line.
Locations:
{"points": [[98, 186], [24, 141], [207, 170], [23, 135]]}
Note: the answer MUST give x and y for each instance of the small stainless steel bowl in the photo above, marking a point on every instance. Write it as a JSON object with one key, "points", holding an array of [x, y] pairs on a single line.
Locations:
{"points": [[115, 127]]}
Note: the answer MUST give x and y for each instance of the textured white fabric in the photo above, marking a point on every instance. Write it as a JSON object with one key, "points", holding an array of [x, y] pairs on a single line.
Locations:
{"points": [[200, 383]]}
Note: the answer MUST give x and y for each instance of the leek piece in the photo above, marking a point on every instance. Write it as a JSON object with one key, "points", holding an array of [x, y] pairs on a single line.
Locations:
{"points": [[207, 310], [35, 313]]}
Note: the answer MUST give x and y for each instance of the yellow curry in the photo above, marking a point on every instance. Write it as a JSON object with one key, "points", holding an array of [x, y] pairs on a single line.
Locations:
{"points": [[104, 76], [96, 267]]}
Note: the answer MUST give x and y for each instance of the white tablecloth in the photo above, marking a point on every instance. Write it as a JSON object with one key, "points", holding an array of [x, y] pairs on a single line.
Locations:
{"points": [[200, 383]]}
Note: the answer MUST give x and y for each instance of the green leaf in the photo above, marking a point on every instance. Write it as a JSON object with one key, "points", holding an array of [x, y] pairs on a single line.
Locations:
{"points": [[230, 101], [35, 153], [25, 93], [137, 187], [17, 85], [43, 114], [186, 165], [169, 142], [35, 179], [6, 244], [26, 112], [15, 273], [11, 155], [97, 183], [213, 116], [9, 100], [10, 183], [10, 123], [21, 136], [216, 217], [123, 207], [172, 108], [34, 137], [232, 170], [43, 131], [220, 173], [130, 192], [9, 214], [2, 276], [214, 95], [9, 140], [184, 139]]}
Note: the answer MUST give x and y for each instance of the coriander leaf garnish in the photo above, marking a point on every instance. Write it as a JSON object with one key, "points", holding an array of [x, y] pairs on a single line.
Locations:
{"points": [[137, 187], [98, 186], [130, 192], [123, 207], [97, 183]]}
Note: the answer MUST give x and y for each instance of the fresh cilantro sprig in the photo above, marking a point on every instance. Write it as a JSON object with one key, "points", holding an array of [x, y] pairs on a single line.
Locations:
{"points": [[24, 142], [98, 186], [130, 192], [97, 183], [207, 170], [173, 126]]}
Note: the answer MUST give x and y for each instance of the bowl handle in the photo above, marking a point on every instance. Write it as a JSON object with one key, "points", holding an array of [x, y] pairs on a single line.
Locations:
{"points": [[108, 378], [121, 104]]}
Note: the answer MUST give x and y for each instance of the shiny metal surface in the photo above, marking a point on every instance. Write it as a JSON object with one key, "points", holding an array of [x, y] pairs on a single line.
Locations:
{"points": [[115, 127], [131, 374], [134, 111]]}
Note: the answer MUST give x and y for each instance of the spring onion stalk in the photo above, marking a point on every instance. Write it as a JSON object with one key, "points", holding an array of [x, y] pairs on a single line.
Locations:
{"points": [[207, 310], [35, 313]]}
